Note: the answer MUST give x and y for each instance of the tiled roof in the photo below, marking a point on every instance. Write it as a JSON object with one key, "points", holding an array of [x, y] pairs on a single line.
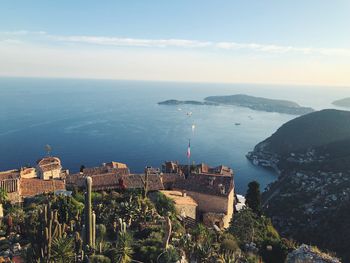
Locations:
{"points": [[135, 181], [169, 179], [105, 169], [212, 184], [105, 181], [10, 174], [114, 181], [33, 186]]}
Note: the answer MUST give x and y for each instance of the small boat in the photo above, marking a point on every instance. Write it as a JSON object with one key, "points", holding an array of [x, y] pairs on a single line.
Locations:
{"points": [[237, 123]]}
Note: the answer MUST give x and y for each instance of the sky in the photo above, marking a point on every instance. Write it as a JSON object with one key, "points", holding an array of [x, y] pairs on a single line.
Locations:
{"points": [[233, 41]]}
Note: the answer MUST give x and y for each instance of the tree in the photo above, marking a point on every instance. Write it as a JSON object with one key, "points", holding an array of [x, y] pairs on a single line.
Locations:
{"points": [[253, 197]]}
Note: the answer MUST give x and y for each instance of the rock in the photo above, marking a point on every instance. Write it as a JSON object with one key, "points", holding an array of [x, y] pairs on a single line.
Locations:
{"points": [[308, 254]]}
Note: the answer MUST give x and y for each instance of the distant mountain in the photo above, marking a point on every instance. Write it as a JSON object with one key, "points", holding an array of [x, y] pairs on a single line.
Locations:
{"points": [[342, 103], [310, 201], [261, 104], [241, 100], [182, 102]]}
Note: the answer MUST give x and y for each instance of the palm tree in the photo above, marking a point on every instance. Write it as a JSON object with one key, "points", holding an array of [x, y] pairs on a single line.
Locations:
{"points": [[62, 250]]}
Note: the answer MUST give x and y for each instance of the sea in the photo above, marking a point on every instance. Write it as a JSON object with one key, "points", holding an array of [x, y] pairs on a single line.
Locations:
{"points": [[89, 122]]}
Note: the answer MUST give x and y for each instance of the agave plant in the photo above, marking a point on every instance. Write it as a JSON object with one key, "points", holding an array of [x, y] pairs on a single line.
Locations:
{"points": [[62, 250]]}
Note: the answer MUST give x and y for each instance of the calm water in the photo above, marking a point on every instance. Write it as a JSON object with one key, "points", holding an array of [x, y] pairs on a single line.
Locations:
{"points": [[89, 122]]}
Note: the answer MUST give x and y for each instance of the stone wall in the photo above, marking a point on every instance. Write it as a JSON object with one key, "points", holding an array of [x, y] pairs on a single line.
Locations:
{"points": [[216, 209], [186, 210], [51, 174]]}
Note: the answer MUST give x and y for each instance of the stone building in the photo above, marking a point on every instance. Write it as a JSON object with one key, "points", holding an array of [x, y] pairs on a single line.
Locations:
{"points": [[211, 188], [49, 168], [28, 181], [114, 177], [10, 182]]}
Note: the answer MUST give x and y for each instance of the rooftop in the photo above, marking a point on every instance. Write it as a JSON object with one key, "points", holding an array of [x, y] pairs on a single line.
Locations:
{"points": [[178, 198], [34, 186]]}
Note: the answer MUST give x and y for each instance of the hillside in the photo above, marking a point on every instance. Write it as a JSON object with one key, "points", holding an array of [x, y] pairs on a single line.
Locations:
{"points": [[342, 102], [312, 130], [261, 104], [310, 201]]}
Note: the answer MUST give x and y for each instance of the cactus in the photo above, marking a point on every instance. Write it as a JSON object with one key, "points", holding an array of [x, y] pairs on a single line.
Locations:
{"points": [[122, 226], [93, 229], [78, 243], [88, 214], [50, 228]]}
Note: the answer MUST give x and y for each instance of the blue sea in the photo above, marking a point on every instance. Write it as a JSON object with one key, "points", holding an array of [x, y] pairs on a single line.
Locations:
{"points": [[88, 122]]}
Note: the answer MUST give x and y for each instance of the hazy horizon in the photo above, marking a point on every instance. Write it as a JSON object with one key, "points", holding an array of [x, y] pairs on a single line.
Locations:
{"points": [[297, 43]]}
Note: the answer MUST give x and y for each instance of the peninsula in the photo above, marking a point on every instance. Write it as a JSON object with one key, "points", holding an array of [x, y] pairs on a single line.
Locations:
{"points": [[342, 103], [254, 103], [310, 200]]}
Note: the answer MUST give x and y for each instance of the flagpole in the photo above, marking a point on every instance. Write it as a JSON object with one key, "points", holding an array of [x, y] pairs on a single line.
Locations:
{"points": [[189, 156]]}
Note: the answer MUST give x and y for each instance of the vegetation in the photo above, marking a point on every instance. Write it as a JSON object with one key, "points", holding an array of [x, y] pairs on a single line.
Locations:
{"points": [[132, 228], [253, 197], [310, 200]]}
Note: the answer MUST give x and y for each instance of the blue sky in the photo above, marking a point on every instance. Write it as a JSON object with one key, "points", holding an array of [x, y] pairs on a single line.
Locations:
{"points": [[292, 42]]}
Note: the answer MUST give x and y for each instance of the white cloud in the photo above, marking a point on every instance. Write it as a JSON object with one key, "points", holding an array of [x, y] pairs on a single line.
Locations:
{"points": [[132, 42], [22, 33], [175, 43]]}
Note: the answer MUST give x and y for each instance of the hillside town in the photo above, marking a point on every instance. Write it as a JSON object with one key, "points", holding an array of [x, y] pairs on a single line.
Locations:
{"points": [[209, 191], [174, 201]]}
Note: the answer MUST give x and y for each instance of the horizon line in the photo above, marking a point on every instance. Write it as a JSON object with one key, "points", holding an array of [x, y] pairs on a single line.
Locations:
{"points": [[314, 85]]}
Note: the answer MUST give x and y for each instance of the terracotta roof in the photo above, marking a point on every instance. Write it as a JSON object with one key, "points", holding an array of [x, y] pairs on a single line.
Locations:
{"points": [[169, 179], [10, 174], [105, 181], [179, 199], [212, 184], [138, 181], [105, 169], [115, 181], [34, 186]]}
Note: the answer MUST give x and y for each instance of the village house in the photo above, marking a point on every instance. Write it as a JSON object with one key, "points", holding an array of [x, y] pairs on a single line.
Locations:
{"points": [[211, 188], [49, 168], [28, 181], [114, 176], [205, 194]]}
